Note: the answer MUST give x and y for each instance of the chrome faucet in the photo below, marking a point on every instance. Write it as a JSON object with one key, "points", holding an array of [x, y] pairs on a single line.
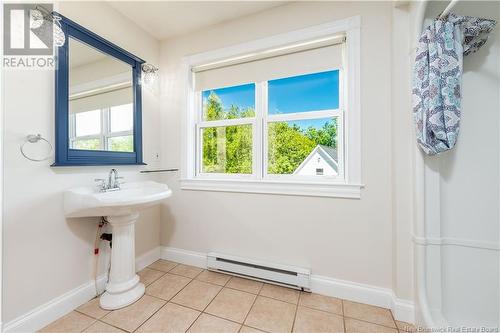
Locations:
{"points": [[113, 182]]}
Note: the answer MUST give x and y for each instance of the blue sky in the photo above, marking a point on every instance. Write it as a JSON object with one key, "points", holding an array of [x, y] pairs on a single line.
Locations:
{"points": [[316, 123], [310, 92], [243, 96]]}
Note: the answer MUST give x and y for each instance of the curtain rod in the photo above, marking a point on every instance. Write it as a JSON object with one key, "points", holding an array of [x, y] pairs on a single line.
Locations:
{"points": [[272, 53], [448, 8]]}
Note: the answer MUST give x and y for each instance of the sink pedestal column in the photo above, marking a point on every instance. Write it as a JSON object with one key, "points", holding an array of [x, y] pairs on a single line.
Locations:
{"points": [[123, 287]]}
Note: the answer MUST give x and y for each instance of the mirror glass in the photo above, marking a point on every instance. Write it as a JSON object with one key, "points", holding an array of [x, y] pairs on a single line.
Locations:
{"points": [[101, 100]]}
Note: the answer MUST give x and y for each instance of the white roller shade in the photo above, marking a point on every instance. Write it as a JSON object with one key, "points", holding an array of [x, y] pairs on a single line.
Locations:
{"points": [[102, 100], [318, 59]]}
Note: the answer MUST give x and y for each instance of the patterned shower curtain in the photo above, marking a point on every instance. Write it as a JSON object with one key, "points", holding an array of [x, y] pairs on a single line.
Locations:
{"points": [[437, 78]]}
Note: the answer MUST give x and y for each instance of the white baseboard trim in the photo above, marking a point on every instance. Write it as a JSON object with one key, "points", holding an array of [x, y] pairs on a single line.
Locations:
{"points": [[147, 258], [184, 256], [54, 309], [403, 310], [67, 302]]}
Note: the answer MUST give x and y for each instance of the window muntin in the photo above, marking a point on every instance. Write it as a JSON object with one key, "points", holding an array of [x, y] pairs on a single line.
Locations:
{"points": [[271, 58], [238, 133], [110, 128]]}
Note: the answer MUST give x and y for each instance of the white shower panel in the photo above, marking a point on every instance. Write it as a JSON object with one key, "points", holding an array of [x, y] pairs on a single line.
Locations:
{"points": [[462, 195]]}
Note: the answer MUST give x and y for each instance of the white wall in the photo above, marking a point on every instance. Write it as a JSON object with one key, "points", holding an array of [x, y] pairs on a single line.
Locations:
{"points": [[340, 238], [46, 255], [402, 142]]}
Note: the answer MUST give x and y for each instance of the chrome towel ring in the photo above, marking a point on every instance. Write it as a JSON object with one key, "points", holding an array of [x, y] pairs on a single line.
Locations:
{"points": [[32, 138]]}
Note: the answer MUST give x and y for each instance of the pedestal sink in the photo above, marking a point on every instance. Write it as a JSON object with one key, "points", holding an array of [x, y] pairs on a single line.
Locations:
{"points": [[121, 208]]}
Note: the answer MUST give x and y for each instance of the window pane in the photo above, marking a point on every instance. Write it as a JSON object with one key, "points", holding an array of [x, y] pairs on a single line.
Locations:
{"points": [[121, 118], [87, 144], [229, 103], [304, 147], [311, 92], [227, 149], [88, 123], [121, 143]]}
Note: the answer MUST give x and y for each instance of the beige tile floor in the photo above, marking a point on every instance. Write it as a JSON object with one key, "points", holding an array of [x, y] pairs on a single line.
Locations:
{"points": [[182, 298]]}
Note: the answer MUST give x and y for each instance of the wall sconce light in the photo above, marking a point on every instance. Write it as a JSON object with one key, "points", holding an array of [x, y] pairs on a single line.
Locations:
{"points": [[149, 74], [40, 15]]}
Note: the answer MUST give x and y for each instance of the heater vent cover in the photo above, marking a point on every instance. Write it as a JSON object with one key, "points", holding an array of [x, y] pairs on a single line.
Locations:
{"points": [[288, 276]]}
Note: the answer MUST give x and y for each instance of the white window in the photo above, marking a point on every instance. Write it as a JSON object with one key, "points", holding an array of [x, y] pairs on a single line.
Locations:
{"points": [[278, 115], [109, 128]]}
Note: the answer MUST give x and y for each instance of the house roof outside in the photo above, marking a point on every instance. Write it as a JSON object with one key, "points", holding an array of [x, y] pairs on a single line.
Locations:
{"points": [[330, 156], [332, 152]]}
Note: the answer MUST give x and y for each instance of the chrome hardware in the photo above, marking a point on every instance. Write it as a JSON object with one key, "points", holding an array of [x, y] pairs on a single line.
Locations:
{"points": [[113, 183], [101, 184]]}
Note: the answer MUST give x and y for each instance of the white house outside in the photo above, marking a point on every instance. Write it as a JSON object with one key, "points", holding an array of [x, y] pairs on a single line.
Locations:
{"points": [[321, 161]]}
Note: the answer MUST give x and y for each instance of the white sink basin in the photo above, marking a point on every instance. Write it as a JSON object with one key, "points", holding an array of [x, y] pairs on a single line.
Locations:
{"points": [[121, 208], [88, 201]]}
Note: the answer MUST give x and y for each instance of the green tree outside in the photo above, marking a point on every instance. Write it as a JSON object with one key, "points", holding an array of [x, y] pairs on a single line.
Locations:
{"points": [[229, 149], [121, 143]]}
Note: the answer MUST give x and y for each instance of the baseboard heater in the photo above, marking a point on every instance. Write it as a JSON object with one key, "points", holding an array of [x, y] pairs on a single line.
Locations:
{"points": [[287, 276]]}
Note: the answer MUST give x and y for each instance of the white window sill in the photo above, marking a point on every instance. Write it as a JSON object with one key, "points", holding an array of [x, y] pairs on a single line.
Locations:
{"points": [[333, 190]]}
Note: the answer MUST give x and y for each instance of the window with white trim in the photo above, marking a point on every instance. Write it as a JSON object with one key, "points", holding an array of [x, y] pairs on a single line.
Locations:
{"points": [[108, 128], [276, 120]]}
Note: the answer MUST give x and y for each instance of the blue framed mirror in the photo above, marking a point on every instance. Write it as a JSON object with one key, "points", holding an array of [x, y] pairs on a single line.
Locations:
{"points": [[98, 118]]}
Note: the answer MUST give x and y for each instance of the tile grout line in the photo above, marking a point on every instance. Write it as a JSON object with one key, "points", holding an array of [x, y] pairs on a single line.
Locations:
{"points": [[296, 310], [194, 321], [242, 324], [159, 270], [166, 302], [145, 321], [394, 321], [203, 311], [369, 322], [249, 310], [95, 320], [221, 288], [161, 307], [343, 315], [86, 328], [153, 269], [327, 312], [257, 295], [278, 299], [78, 312], [121, 329], [193, 278], [210, 314], [150, 283]]}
